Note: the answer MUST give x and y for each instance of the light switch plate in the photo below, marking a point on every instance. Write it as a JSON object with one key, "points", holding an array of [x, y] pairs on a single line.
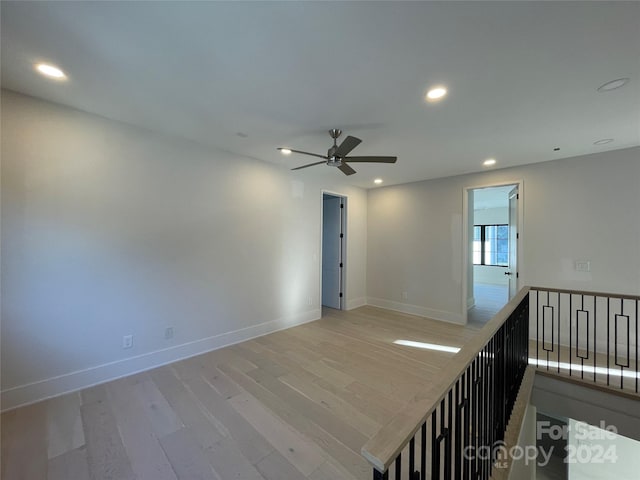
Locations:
{"points": [[583, 266]]}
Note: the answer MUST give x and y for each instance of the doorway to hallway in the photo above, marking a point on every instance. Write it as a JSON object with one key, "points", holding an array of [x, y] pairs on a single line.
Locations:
{"points": [[333, 250], [493, 250]]}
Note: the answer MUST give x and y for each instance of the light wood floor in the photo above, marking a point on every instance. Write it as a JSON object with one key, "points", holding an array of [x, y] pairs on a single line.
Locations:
{"points": [[296, 404], [489, 300]]}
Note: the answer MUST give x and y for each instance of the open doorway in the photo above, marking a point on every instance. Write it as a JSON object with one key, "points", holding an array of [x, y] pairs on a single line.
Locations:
{"points": [[334, 211], [493, 249]]}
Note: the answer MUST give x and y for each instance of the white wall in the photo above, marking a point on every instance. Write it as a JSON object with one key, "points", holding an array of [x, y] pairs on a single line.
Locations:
{"points": [[582, 208], [492, 216], [490, 275], [108, 230], [523, 468]]}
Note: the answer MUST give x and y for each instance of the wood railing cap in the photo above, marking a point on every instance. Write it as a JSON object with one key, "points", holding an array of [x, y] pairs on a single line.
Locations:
{"points": [[624, 296], [382, 449]]}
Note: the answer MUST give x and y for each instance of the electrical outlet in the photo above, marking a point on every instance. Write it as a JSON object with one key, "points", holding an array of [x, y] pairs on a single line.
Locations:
{"points": [[310, 301], [168, 333], [127, 341], [405, 295]]}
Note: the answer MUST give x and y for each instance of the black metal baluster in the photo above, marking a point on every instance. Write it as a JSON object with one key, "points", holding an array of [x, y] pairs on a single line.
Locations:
{"points": [[380, 476], [559, 322], [608, 329], [435, 454], [443, 433], [412, 456], [485, 388], [423, 458], [495, 396], [537, 328], [474, 405], [486, 400], [594, 339], [481, 405], [595, 346], [544, 335], [525, 338], [447, 438], [399, 467], [467, 419], [616, 340], [489, 406], [458, 430], [570, 331]]}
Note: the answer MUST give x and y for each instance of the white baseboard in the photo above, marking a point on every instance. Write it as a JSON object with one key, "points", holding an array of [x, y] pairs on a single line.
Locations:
{"points": [[52, 387], [356, 302], [449, 317]]}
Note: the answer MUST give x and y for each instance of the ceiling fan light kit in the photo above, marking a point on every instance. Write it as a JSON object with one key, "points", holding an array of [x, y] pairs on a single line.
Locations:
{"points": [[337, 155]]}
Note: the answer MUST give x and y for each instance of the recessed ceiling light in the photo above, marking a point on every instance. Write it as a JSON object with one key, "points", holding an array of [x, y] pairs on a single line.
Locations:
{"points": [[604, 141], [436, 93], [285, 151], [489, 161], [613, 84], [50, 71], [378, 181]]}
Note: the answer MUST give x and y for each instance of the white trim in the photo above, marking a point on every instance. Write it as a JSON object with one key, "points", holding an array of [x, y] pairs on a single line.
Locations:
{"points": [[55, 386], [356, 303], [471, 302], [449, 317]]}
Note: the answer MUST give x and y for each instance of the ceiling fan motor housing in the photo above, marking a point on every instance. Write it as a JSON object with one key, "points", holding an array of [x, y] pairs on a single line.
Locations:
{"points": [[334, 161]]}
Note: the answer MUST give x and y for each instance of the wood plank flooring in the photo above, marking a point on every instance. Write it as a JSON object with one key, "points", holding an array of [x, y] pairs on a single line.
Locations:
{"points": [[489, 300], [296, 404]]}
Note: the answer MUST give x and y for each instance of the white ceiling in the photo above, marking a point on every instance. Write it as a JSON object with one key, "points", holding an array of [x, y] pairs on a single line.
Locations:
{"points": [[522, 76], [492, 197]]}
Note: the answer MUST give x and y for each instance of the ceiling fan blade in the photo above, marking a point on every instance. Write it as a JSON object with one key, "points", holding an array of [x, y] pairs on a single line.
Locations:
{"points": [[371, 159], [308, 165], [346, 169], [345, 147], [303, 153]]}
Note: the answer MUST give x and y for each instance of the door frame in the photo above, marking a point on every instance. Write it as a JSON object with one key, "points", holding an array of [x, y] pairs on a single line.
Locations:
{"points": [[343, 273], [466, 260]]}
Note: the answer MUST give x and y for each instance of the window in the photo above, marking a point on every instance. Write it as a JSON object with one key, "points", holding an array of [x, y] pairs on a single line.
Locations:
{"points": [[491, 245]]}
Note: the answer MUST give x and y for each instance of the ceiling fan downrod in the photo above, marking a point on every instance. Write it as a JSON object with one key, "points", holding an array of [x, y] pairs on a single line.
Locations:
{"points": [[332, 160]]}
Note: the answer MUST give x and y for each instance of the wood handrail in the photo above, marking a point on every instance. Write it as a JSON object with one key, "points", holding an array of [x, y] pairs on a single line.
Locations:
{"points": [[383, 448], [583, 292]]}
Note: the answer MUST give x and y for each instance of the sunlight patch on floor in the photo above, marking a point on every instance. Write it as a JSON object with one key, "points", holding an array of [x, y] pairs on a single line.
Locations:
{"points": [[427, 346]]}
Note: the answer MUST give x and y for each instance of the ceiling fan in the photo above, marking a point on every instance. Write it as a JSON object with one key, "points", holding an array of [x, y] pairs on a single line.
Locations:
{"points": [[337, 155]]}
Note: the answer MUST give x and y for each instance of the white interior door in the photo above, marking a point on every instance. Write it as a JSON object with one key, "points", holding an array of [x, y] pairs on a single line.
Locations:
{"points": [[512, 271], [332, 251]]}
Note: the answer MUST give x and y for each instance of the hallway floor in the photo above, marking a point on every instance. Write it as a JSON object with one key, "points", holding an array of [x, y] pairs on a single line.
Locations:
{"points": [[489, 300]]}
